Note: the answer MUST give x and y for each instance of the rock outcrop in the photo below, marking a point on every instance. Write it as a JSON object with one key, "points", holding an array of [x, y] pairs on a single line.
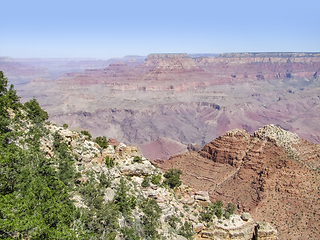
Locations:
{"points": [[272, 174], [183, 203]]}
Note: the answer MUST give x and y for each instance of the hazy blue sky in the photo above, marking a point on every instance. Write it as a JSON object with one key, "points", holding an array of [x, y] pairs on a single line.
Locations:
{"points": [[105, 29]]}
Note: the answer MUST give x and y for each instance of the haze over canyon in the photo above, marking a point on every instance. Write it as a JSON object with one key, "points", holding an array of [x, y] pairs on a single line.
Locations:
{"points": [[167, 103]]}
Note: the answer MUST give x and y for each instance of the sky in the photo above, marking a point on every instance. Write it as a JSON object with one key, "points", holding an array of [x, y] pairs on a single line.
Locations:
{"points": [[106, 29]]}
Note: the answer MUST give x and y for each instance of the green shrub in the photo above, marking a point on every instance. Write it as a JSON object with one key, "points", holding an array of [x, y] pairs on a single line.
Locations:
{"points": [[150, 220], [57, 138], [137, 159], [219, 203], [109, 162], [77, 175], [229, 210], [173, 221], [102, 142], [211, 210], [156, 179], [172, 178], [65, 125], [97, 202], [104, 180], [186, 230], [129, 234], [86, 133], [123, 201], [145, 183]]}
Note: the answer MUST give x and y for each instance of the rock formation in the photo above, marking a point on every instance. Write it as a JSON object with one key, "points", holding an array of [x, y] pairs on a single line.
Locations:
{"points": [[182, 203], [186, 99], [273, 174]]}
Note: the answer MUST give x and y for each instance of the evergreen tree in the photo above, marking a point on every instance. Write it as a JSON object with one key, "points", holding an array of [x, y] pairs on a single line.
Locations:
{"points": [[173, 178], [102, 141], [34, 111], [34, 203]]}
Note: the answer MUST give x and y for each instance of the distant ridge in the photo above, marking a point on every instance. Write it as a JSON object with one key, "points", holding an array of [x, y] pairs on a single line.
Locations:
{"points": [[198, 55], [166, 55], [5, 59], [270, 54]]}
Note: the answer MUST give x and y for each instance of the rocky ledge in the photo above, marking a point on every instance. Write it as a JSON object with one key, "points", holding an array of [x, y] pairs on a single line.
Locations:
{"points": [[180, 206]]}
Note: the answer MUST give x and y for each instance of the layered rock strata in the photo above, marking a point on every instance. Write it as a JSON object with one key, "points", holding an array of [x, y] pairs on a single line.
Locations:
{"points": [[272, 174], [184, 99]]}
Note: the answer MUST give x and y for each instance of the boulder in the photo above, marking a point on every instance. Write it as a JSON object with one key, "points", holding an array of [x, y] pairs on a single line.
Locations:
{"points": [[137, 169], [202, 196], [109, 195], [245, 216], [197, 227], [192, 218], [264, 230], [150, 193], [204, 203], [122, 222], [188, 201]]}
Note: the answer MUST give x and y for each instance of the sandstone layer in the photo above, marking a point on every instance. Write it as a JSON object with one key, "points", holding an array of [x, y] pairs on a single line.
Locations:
{"points": [[273, 174]]}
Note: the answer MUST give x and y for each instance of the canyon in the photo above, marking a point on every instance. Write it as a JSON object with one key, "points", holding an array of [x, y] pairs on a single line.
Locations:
{"points": [[189, 99], [243, 127]]}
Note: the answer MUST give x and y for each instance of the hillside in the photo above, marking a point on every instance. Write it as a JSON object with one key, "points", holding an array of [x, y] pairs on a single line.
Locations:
{"points": [[57, 183], [272, 173]]}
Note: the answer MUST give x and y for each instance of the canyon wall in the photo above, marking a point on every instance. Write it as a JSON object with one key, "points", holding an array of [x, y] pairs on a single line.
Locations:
{"points": [[189, 100]]}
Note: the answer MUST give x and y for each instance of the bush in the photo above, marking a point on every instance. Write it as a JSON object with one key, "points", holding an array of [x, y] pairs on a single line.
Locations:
{"points": [[86, 133], [229, 210], [137, 159], [186, 230], [97, 202], [156, 179], [109, 162], [104, 180], [145, 182], [129, 234], [123, 201], [65, 125], [102, 142], [172, 178], [173, 221], [150, 220], [77, 175], [211, 210], [57, 138]]}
